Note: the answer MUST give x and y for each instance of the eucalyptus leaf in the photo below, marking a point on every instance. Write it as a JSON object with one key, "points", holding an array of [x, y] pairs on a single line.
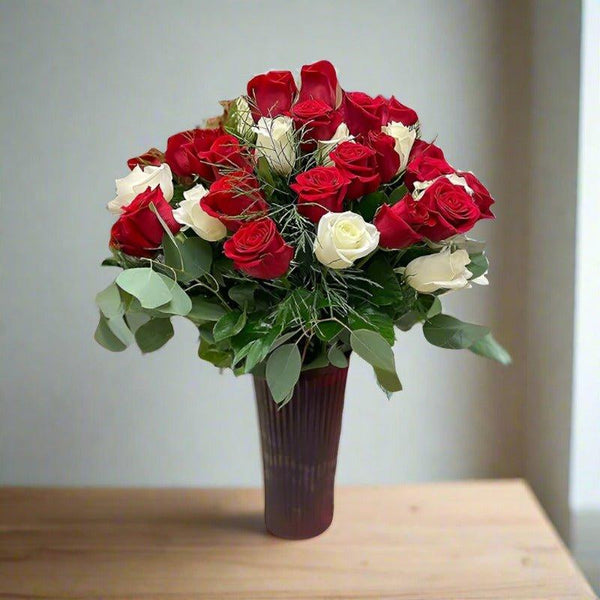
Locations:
{"points": [[387, 380], [327, 330], [109, 301], [229, 325], [120, 329], [368, 317], [283, 371], [106, 338], [190, 257], [448, 332], [180, 303], [337, 358], [205, 310], [154, 334], [487, 346], [146, 285], [373, 348], [243, 294]]}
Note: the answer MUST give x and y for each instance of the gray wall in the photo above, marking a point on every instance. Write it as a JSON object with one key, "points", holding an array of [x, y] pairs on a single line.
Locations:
{"points": [[88, 84]]}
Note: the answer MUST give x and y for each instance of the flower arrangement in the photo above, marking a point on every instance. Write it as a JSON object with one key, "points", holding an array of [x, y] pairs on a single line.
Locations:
{"points": [[303, 223]]}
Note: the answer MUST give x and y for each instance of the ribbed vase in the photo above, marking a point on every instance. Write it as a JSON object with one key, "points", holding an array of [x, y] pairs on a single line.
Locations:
{"points": [[299, 449]]}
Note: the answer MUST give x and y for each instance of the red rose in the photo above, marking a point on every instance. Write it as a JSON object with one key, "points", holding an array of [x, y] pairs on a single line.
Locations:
{"points": [[153, 157], [452, 208], [481, 196], [426, 162], [360, 164], [225, 155], [399, 225], [138, 232], [317, 119], [398, 113], [388, 160], [363, 113], [258, 250], [320, 190], [271, 94], [185, 150], [234, 199], [320, 82]]}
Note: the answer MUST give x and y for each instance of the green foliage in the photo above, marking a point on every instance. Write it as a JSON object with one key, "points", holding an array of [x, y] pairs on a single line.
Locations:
{"points": [[145, 285], [478, 265], [203, 310], [373, 348], [189, 257], [368, 205], [229, 324], [487, 346], [106, 338], [283, 371], [398, 194], [154, 334], [448, 332]]}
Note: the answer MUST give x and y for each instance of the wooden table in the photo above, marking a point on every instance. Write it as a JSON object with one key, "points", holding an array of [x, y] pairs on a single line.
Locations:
{"points": [[475, 540]]}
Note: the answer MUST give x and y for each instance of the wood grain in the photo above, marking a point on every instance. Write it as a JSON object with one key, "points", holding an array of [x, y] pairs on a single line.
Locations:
{"points": [[474, 540]]}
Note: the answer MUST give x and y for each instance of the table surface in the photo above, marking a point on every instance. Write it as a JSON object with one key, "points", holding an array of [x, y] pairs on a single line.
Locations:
{"points": [[473, 540]]}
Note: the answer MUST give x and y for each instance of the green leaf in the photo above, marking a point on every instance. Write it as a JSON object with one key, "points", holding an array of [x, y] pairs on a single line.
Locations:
{"points": [[136, 319], [261, 347], [448, 332], [190, 257], [228, 325], [368, 317], [110, 262], [368, 205], [219, 358], [120, 329], [318, 362], [388, 381], [373, 348], [146, 285], [109, 301], [205, 310], [428, 305], [180, 303], [264, 173], [243, 294], [106, 338], [487, 346], [398, 194], [388, 290], [407, 320], [478, 265], [337, 358], [327, 330], [283, 371], [154, 334]]}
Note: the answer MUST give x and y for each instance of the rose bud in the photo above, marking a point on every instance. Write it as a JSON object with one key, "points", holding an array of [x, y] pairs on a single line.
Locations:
{"points": [[398, 113], [316, 120], [258, 250], [426, 162], [481, 196], [400, 225], [320, 82], [359, 163], [186, 150], [271, 94], [451, 206], [442, 271], [234, 199], [138, 232], [364, 113], [388, 160], [320, 190]]}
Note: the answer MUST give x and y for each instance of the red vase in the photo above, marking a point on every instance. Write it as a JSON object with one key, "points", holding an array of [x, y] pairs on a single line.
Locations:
{"points": [[299, 447]]}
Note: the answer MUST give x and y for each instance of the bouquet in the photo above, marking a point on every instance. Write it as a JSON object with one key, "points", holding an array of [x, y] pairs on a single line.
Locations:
{"points": [[303, 223]]}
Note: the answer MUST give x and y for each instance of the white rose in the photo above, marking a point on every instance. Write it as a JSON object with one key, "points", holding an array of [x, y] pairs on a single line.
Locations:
{"points": [[325, 147], [343, 238], [404, 139], [138, 181], [242, 121], [275, 141], [191, 214], [446, 270]]}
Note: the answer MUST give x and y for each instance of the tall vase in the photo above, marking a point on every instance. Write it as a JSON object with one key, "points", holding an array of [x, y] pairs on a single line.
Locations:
{"points": [[299, 448]]}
